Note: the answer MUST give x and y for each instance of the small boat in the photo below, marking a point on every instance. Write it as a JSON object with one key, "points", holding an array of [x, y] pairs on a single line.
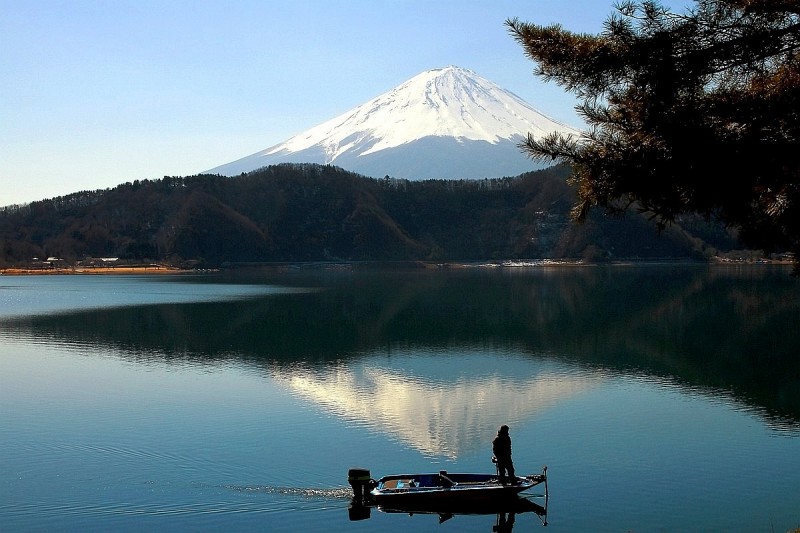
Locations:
{"points": [[425, 491]]}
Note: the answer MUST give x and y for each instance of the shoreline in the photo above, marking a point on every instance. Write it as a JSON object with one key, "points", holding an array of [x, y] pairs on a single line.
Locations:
{"points": [[510, 264], [122, 270]]}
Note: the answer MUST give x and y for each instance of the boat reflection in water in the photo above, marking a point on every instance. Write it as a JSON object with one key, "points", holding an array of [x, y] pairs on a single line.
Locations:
{"points": [[506, 510]]}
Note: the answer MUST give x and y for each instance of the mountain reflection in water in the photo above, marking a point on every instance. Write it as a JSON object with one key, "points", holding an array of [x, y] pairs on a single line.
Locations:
{"points": [[440, 418]]}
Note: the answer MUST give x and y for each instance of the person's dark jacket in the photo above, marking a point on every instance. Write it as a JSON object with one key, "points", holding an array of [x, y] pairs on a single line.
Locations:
{"points": [[501, 447]]}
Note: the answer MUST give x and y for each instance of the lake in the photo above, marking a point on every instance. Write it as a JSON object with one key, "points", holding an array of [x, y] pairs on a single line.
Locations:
{"points": [[661, 397]]}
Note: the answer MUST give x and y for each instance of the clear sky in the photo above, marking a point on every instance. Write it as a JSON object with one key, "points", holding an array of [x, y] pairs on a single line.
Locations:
{"points": [[95, 93]]}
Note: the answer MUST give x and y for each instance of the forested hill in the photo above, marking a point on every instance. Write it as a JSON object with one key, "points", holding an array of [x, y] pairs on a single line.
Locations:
{"points": [[312, 212]]}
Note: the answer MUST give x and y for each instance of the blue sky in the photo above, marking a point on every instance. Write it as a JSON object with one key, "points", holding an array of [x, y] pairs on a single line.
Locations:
{"points": [[97, 93]]}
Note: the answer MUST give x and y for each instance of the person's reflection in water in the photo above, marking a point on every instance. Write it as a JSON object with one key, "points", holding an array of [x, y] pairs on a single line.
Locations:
{"points": [[505, 523]]}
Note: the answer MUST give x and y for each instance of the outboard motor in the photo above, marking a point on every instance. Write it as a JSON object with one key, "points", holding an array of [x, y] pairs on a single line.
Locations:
{"points": [[360, 481]]}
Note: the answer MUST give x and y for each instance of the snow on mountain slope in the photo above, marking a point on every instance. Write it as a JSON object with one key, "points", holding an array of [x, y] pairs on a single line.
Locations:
{"points": [[443, 123]]}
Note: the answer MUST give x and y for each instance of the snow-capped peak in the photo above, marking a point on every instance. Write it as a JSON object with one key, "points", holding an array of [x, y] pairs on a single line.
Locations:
{"points": [[447, 102], [449, 105]]}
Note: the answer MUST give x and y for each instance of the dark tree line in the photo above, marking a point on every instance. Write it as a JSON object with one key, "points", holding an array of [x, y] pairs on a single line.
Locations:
{"points": [[313, 212]]}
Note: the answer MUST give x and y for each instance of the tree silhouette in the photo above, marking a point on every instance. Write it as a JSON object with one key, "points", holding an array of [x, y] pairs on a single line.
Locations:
{"points": [[693, 112]]}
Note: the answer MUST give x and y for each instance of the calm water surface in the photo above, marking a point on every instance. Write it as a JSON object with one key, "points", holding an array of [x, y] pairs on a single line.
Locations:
{"points": [[662, 398]]}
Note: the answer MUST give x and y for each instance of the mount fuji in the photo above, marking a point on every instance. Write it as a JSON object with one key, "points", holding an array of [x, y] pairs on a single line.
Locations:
{"points": [[442, 123]]}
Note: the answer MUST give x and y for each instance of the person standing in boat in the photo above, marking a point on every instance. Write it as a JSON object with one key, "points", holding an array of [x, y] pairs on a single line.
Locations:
{"points": [[501, 448]]}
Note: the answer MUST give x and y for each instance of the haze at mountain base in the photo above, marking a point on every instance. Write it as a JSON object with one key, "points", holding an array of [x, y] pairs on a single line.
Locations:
{"points": [[432, 157]]}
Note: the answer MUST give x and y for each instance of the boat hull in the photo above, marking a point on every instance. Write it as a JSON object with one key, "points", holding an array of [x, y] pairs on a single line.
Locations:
{"points": [[436, 490]]}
